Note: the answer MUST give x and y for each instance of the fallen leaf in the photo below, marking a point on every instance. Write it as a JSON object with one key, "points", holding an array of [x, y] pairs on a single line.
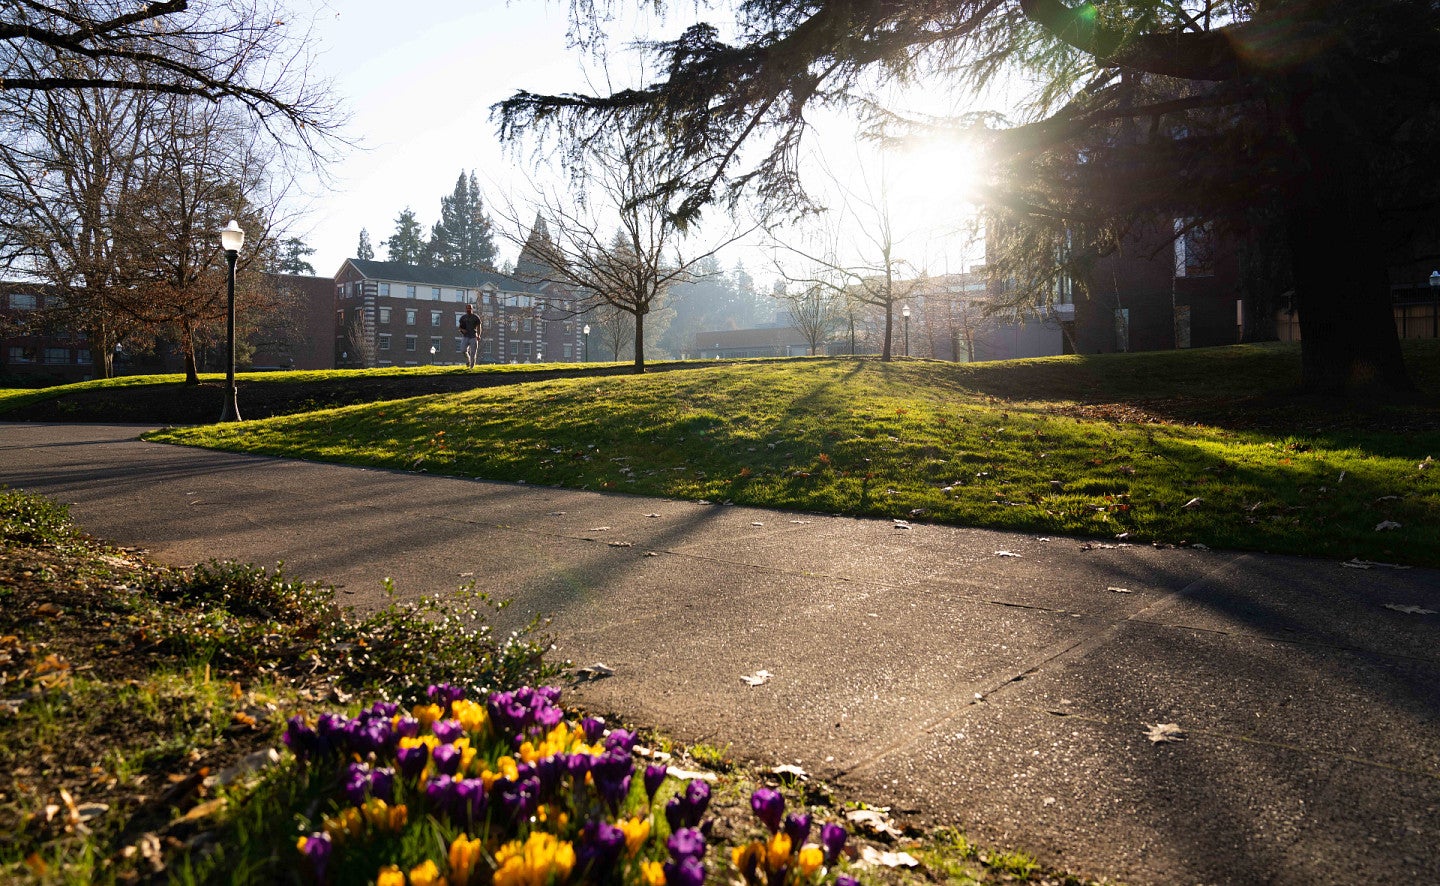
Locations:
{"points": [[875, 821], [1194, 502], [651, 753], [599, 528], [204, 810], [1163, 732], [651, 554], [1006, 554], [595, 671], [1357, 563], [556, 514], [757, 523], [87, 811], [1383, 525], [902, 524], [1120, 590], [652, 515], [791, 770], [802, 522], [759, 678], [690, 774], [1199, 547], [620, 544], [871, 855], [1409, 610]]}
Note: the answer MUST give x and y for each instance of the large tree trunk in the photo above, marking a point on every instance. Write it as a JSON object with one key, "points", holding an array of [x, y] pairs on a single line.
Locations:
{"points": [[187, 344], [1341, 269], [639, 342]]}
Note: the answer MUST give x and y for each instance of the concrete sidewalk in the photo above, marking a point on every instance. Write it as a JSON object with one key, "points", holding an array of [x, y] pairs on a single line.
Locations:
{"points": [[1007, 695]]}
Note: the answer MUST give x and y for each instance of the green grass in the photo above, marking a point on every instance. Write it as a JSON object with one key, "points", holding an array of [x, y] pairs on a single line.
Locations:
{"points": [[991, 445]]}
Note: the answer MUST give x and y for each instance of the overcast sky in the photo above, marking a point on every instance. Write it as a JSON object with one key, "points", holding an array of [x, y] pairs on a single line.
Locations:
{"points": [[420, 85]]}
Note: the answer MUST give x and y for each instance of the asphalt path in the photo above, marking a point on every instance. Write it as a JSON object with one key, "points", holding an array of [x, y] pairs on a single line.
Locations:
{"points": [[1001, 683]]}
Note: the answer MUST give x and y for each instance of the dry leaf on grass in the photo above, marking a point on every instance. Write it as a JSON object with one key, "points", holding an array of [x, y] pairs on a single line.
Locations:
{"points": [[1163, 732], [1409, 610], [871, 855], [759, 678]]}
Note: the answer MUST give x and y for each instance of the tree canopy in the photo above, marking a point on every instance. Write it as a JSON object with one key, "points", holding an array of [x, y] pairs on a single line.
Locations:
{"points": [[1316, 120]]}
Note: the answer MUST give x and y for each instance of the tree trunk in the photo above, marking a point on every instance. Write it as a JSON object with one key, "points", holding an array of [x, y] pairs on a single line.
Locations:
{"points": [[1342, 278], [187, 345], [889, 326], [639, 343]]}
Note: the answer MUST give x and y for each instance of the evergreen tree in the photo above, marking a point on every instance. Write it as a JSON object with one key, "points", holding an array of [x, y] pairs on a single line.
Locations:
{"points": [[462, 238], [405, 245], [364, 251], [293, 253]]}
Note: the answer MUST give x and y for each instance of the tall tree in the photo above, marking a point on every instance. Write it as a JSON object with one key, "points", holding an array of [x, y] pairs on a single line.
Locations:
{"points": [[293, 255], [1319, 111], [630, 272], [363, 250], [406, 245], [463, 237], [815, 310]]}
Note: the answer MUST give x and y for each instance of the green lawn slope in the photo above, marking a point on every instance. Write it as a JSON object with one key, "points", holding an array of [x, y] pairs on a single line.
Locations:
{"points": [[1207, 447]]}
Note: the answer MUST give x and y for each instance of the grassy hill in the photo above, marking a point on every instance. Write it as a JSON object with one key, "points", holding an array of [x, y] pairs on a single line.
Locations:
{"points": [[1207, 447]]}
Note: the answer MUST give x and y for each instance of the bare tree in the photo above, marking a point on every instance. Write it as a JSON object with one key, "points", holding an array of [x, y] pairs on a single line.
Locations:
{"points": [[241, 51], [616, 188], [815, 310], [877, 277]]}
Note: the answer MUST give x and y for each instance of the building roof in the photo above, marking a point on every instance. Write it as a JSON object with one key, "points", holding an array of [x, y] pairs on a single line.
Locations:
{"points": [[457, 278]]}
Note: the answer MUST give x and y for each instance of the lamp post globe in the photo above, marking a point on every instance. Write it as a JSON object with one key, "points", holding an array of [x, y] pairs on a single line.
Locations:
{"points": [[232, 238], [586, 332], [905, 312]]}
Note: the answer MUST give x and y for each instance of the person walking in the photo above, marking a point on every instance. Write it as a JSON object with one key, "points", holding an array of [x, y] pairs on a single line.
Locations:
{"points": [[469, 326]]}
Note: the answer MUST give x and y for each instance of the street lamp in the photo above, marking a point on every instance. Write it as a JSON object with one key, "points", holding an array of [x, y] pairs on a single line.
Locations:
{"points": [[1435, 308], [586, 332], [231, 239], [905, 312]]}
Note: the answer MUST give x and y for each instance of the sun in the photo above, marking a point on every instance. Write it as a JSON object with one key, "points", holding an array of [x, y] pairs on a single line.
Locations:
{"points": [[929, 186]]}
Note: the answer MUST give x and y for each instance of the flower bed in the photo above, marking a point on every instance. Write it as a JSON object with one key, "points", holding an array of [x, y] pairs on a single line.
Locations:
{"points": [[508, 791]]}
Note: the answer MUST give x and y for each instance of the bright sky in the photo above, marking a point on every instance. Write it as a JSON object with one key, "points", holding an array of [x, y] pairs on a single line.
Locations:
{"points": [[420, 87]]}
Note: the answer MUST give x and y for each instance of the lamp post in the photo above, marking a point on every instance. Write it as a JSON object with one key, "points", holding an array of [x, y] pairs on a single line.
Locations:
{"points": [[905, 312], [586, 332], [231, 239], [1435, 308]]}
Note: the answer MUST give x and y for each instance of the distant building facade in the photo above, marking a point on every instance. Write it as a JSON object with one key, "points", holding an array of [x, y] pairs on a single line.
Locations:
{"points": [[33, 353], [739, 344], [395, 314]]}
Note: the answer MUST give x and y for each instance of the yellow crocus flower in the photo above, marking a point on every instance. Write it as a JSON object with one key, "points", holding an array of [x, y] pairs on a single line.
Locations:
{"points": [[810, 859], [652, 873], [427, 714], [473, 717], [426, 874], [390, 876], [637, 831], [464, 853], [777, 854]]}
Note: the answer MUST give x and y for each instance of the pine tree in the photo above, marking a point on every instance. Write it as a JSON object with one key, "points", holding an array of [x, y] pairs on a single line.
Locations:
{"points": [[405, 245], [364, 252], [293, 253], [463, 236]]}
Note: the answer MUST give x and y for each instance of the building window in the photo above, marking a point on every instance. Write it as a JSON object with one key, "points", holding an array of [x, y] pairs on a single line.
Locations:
{"points": [[57, 355], [458, 315], [435, 344], [527, 324], [23, 301], [435, 318], [569, 351], [384, 341], [384, 288], [339, 316], [514, 350], [384, 315], [82, 356], [410, 343], [1194, 249], [487, 350], [459, 344], [409, 316], [435, 293], [19, 355], [409, 291]]}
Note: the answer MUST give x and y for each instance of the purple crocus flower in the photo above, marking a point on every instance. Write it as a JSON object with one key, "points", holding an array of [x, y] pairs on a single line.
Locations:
{"points": [[548, 771], [612, 772], [697, 794], [689, 871], [444, 694], [302, 741], [330, 731], [832, 840], [654, 778], [407, 727], [469, 799], [598, 849], [769, 807], [447, 758], [384, 709], [621, 739], [594, 729], [578, 765], [521, 799], [686, 843], [843, 880], [356, 783], [447, 730], [797, 828], [382, 784], [675, 813], [318, 849], [412, 760], [440, 792]]}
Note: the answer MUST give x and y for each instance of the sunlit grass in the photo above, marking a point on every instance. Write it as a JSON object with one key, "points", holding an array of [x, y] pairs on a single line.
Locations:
{"points": [[912, 440]]}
